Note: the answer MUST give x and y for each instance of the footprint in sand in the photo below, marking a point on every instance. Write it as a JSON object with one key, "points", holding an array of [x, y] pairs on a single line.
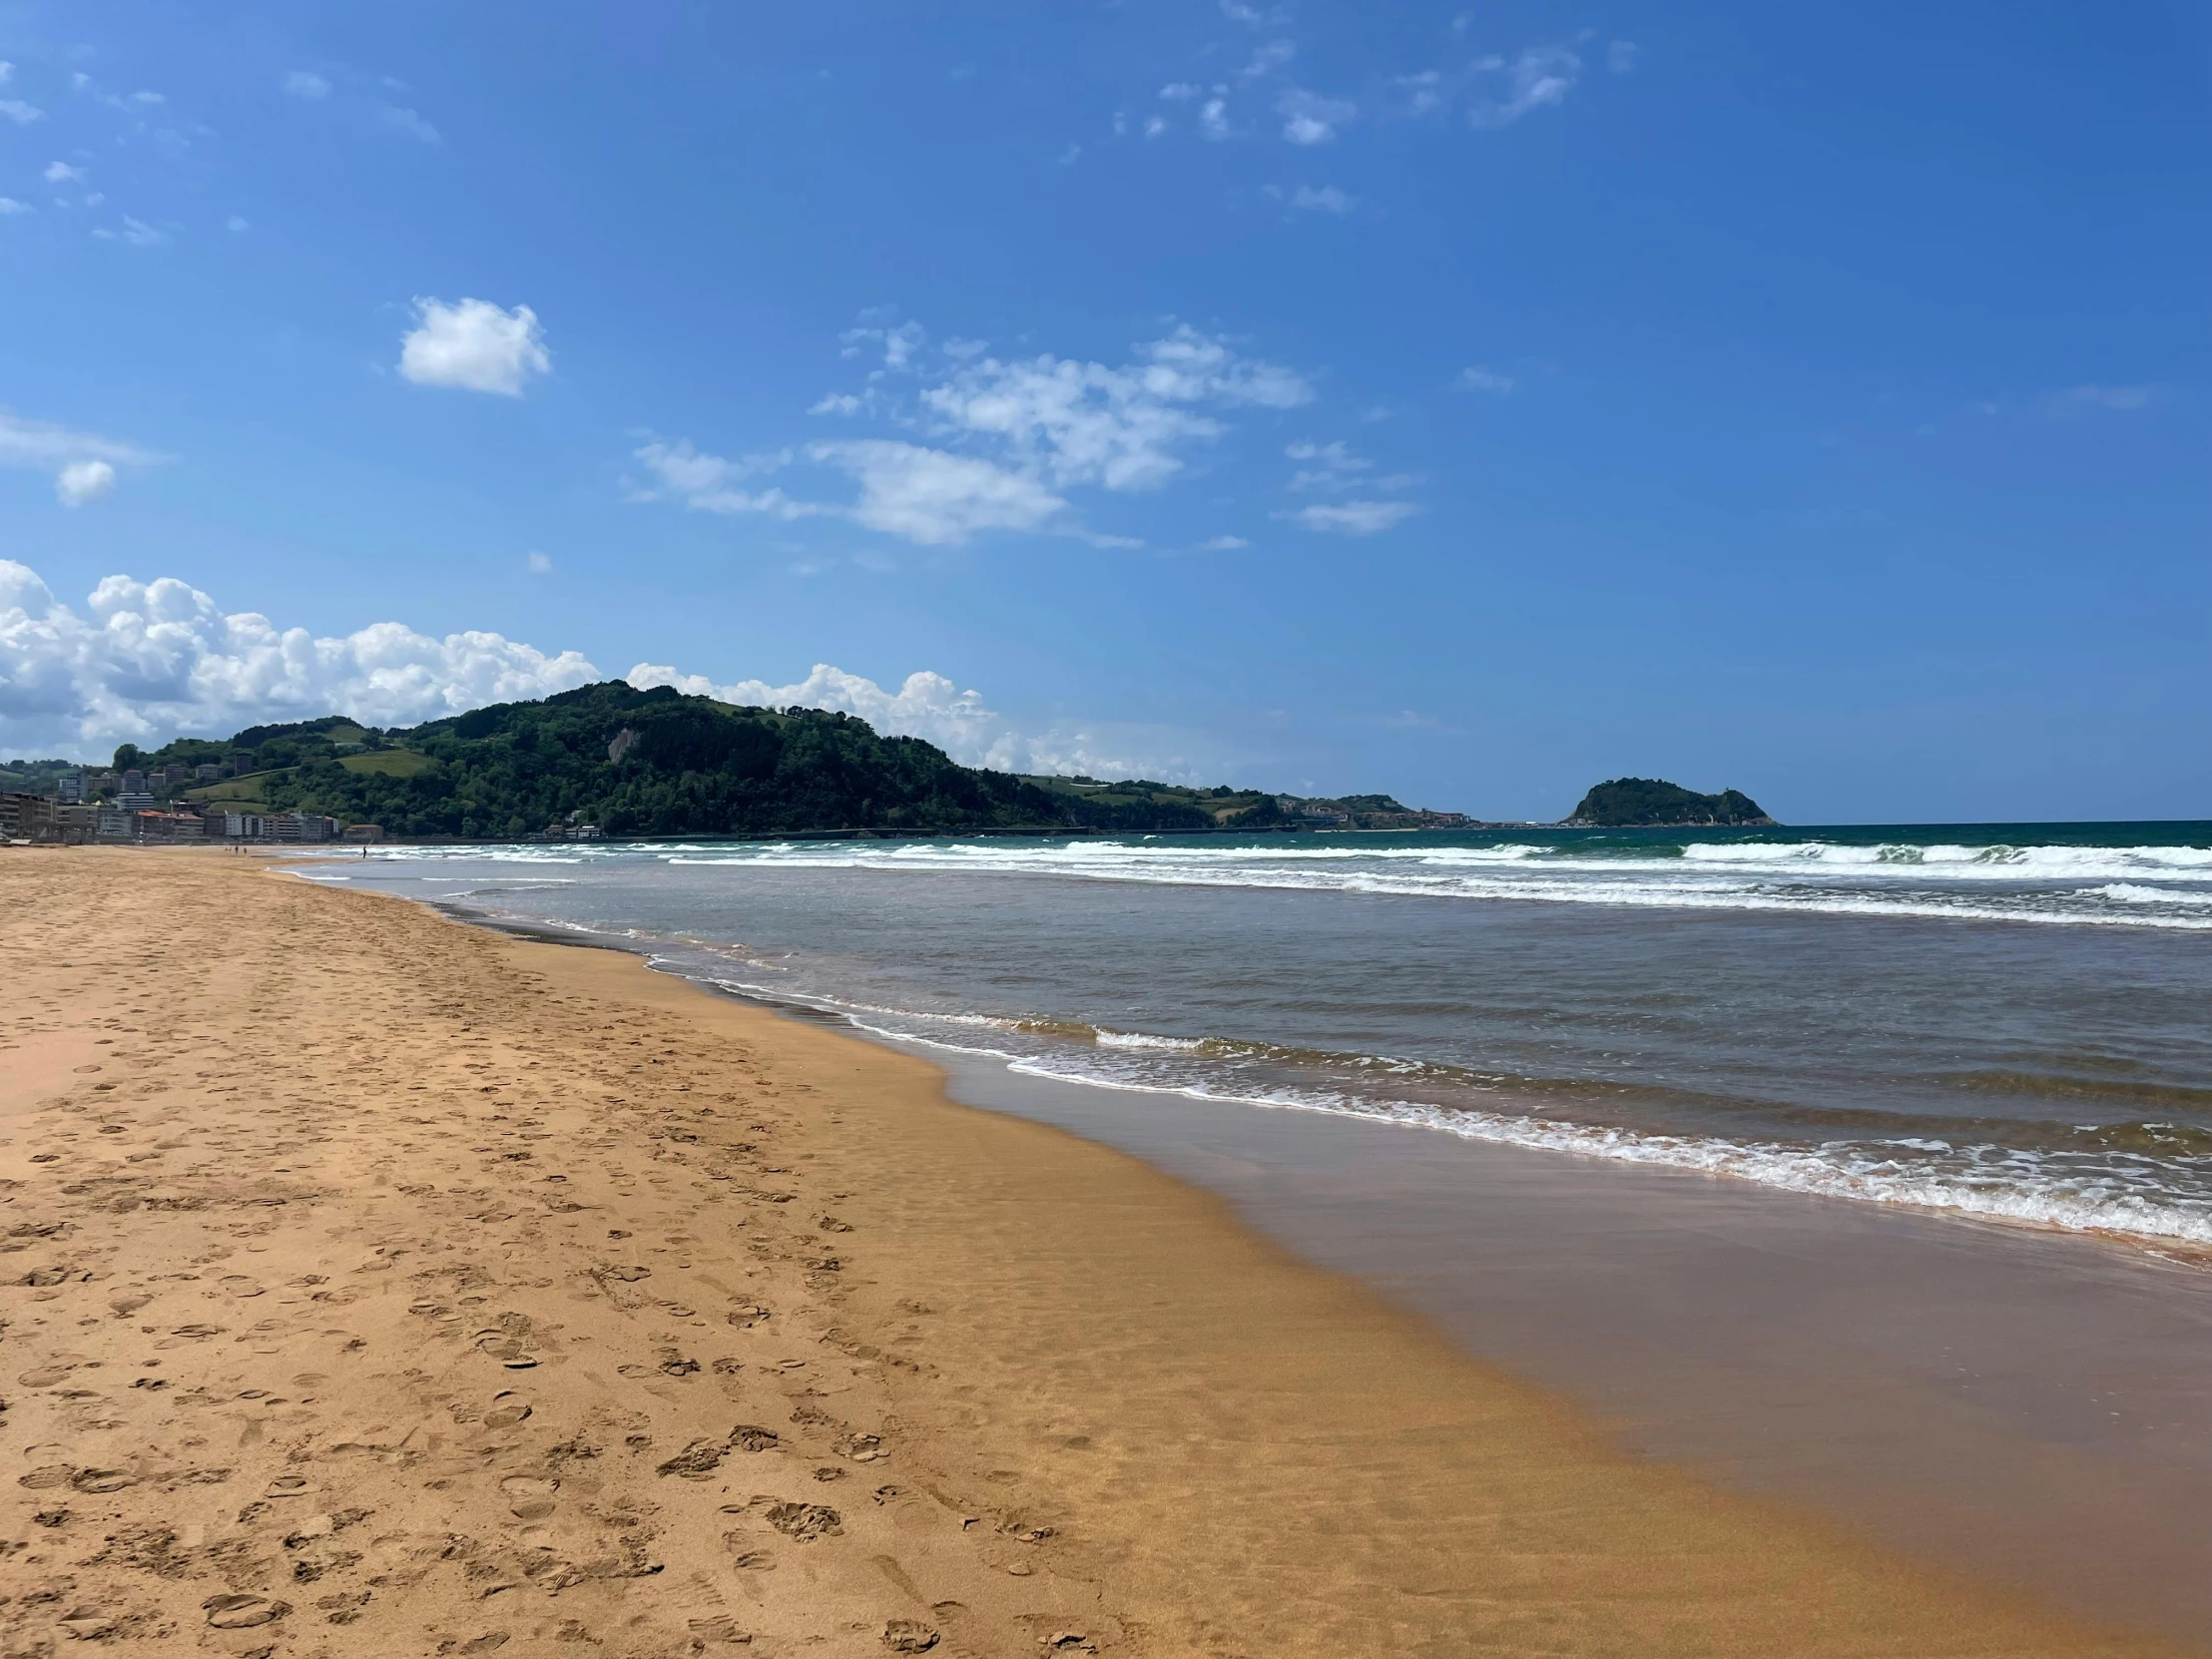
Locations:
{"points": [[908, 1637], [805, 1522], [529, 1497], [243, 1612], [508, 1409]]}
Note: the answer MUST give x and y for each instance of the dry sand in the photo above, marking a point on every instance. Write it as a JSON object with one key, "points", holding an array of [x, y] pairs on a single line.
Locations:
{"points": [[378, 1286]]}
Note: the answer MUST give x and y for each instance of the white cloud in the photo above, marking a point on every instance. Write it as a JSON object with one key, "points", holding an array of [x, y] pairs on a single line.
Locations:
{"points": [[935, 497], [136, 231], [1222, 544], [708, 483], [1012, 435], [1620, 56], [538, 565], [9, 204], [81, 484], [1354, 518], [304, 83], [900, 343], [934, 708], [1327, 198], [148, 661], [20, 113], [61, 173], [1179, 92], [234, 223], [402, 120], [82, 464], [1539, 76], [1213, 118], [1269, 58], [474, 345], [1088, 423], [930, 496], [1478, 378], [1308, 118], [7, 72], [1326, 466]]}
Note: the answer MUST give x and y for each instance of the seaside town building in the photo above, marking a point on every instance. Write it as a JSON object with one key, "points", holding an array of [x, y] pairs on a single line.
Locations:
{"points": [[28, 817]]}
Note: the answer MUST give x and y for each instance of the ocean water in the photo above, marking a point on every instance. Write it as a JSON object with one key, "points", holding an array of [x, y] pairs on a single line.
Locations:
{"points": [[2011, 1023]]}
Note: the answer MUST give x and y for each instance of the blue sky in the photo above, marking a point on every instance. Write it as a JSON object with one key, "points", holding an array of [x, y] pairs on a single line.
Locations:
{"points": [[1465, 403]]}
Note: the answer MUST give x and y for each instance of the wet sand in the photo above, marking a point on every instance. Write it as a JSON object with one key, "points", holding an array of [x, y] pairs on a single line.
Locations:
{"points": [[2026, 1405], [382, 1285]]}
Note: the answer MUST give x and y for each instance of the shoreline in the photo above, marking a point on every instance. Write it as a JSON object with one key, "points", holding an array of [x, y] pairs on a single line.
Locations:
{"points": [[1069, 1401], [1592, 1145]]}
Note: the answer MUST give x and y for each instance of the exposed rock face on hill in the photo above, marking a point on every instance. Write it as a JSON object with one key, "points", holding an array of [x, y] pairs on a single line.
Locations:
{"points": [[1652, 803]]}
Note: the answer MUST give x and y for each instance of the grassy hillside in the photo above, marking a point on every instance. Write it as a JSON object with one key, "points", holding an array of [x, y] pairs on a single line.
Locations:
{"points": [[650, 762], [1140, 805], [657, 763]]}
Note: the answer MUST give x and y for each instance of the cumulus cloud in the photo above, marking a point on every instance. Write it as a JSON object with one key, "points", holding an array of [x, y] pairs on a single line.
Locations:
{"points": [[61, 173], [82, 482], [9, 204], [146, 661], [931, 707], [82, 464], [1354, 518], [1308, 118], [475, 346], [933, 496], [1620, 56], [1013, 434], [1478, 378], [17, 110], [1085, 423], [1222, 544], [304, 83]]}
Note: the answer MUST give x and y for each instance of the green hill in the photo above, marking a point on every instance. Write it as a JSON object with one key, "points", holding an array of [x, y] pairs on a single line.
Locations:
{"points": [[657, 763], [1651, 802]]}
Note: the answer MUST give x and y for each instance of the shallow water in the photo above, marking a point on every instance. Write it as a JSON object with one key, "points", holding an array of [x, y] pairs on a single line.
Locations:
{"points": [[2008, 1021]]}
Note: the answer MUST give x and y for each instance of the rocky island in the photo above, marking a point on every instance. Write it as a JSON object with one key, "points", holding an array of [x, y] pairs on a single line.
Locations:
{"points": [[1654, 804]]}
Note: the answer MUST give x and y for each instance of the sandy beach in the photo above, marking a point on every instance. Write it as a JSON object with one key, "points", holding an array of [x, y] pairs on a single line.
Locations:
{"points": [[380, 1285]]}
